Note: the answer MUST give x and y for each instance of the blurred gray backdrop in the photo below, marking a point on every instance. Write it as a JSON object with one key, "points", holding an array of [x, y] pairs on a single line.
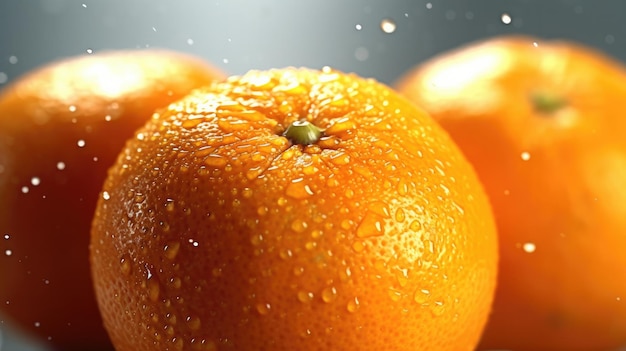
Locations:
{"points": [[239, 35]]}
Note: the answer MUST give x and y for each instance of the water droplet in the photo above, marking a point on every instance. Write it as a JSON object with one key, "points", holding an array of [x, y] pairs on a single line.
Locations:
{"points": [[298, 271], [256, 239], [402, 276], [371, 225], [358, 26], [263, 308], [329, 294], [60, 166], [153, 289], [438, 308], [125, 266], [105, 195], [415, 225], [3, 78], [506, 18], [193, 322], [298, 189], [247, 193], [525, 156], [214, 160], [529, 247], [35, 181], [305, 296], [429, 5], [388, 25], [8, 252], [285, 254], [80, 143], [6, 236], [189, 41], [353, 305], [358, 246], [171, 250], [421, 296], [25, 190], [191, 123], [394, 294], [37, 324]]}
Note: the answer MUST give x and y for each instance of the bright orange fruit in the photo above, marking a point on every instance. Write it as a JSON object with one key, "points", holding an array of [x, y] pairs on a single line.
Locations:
{"points": [[293, 209], [61, 128], [542, 123]]}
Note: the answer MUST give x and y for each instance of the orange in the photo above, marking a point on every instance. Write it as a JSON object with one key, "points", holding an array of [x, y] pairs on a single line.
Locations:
{"points": [[541, 121], [293, 209], [61, 127]]}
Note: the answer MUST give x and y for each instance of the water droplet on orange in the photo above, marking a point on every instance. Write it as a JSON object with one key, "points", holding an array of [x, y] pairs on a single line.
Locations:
{"points": [[358, 246], [394, 294], [153, 289], [298, 225], [193, 322], [329, 294], [125, 266], [192, 122], [353, 305], [438, 308], [305, 296], [415, 225], [371, 225], [298, 189], [400, 216], [421, 296], [171, 250], [215, 160], [402, 276], [263, 308]]}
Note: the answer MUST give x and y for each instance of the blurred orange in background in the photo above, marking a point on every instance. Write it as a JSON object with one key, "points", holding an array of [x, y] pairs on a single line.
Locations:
{"points": [[61, 127], [542, 123]]}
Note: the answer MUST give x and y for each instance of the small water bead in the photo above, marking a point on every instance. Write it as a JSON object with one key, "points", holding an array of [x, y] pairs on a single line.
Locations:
{"points": [[298, 189], [35, 181], [329, 294], [506, 18], [60, 166], [125, 266], [25, 190], [358, 246], [438, 308], [193, 322], [358, 26], [421, 296], [81, 143], [371, 225], [305, 296], [353, 305], [525, 156], [394, 294], [529, 247], [263, 308], [154, 289], [6, 236], [388, 25], [8, 252], [12, 60], [171, 250]]}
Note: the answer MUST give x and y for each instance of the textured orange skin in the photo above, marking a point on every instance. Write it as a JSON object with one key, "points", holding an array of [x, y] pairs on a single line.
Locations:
{"points": [[215, 232], [46, 279], [567, 198]]}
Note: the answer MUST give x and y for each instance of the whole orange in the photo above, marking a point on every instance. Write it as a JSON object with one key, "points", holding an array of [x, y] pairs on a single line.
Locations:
{"points": [[61, 128], [541, 122], [293, 209]]}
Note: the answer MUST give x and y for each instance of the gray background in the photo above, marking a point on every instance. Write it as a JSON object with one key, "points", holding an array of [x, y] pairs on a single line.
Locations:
{"points": [[239, 35]]}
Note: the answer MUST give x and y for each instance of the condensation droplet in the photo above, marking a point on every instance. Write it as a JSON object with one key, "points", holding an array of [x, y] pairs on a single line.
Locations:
{"points": [[80, 143], [193, 322], [297, 189], [35, 181], [506, 18], [125, 266], [358, 246], [525, 156], [305, 296], [329, 294], [60, 166], [529, 247], [263, 308], [358, 26], [153, 289], [394, 294], [438, 308], [371, 225], [25, 190], [8, 252], [388, 25], [353, 305], [421, 296], [105, 195], [171, 250]]}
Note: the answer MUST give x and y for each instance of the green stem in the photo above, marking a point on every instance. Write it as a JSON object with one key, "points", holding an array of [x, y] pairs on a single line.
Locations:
{"points": [[303, 132]]}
